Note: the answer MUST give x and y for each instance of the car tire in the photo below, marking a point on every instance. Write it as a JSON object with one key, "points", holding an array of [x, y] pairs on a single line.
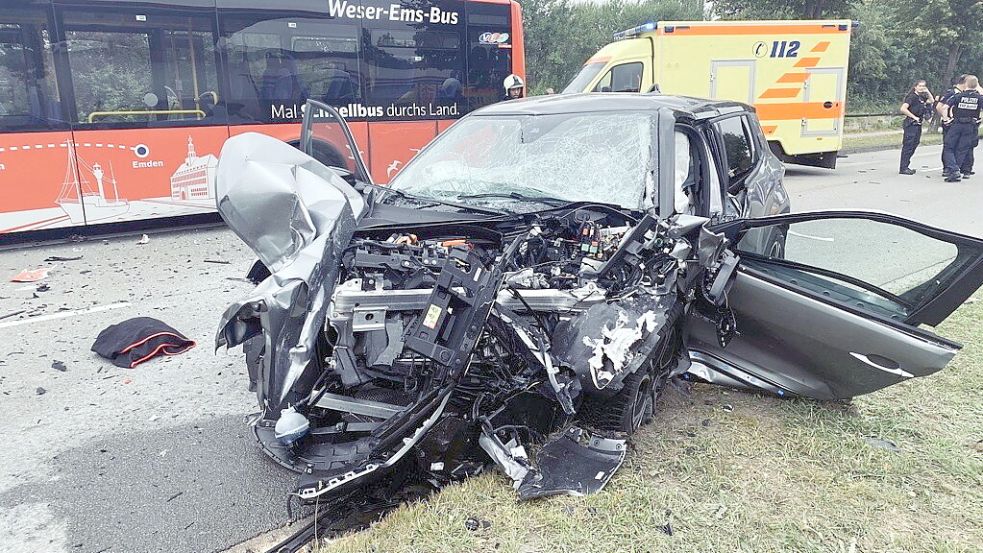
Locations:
{"points": [[636, 403], [776, 246]]}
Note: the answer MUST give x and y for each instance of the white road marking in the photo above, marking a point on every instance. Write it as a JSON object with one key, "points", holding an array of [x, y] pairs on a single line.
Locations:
{"points": [[65, 314], [800, 235]]}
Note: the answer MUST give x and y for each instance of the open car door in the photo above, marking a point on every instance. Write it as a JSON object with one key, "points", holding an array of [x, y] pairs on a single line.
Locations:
{"points": [[842, 310], [325, 136]]}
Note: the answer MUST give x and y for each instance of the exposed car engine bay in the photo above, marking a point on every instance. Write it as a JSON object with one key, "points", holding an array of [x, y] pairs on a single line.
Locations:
{"points": [[463, 336]]}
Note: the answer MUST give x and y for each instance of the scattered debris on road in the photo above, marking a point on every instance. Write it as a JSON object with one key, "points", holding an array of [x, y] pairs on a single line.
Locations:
{"points": [[12, 314], [63, 258], [30, 275], [143, 240], [40, 391], [218, 261], [59, 366]]}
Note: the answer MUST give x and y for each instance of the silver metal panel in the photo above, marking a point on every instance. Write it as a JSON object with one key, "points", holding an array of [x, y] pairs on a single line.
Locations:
{"points": [[807, 347], [356, 406]]}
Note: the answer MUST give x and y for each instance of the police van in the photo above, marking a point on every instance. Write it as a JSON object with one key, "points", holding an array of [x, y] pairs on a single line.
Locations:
{"points": [[793, 72]]}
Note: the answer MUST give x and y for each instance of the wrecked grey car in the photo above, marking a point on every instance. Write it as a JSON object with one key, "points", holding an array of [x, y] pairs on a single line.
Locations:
{"points": [[531, 281]]}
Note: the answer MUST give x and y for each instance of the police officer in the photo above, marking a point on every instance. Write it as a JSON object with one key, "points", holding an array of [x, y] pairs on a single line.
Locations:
{"points": [[963, 109], [915, 108], [514, 87], [956, 87]]}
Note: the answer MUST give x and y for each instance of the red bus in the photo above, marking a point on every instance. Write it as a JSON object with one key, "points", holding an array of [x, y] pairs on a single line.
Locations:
{"points": [[115, 111]]}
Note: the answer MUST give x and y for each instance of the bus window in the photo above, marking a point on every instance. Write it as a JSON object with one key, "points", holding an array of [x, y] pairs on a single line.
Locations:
{"points": [[140, 68], [489, 52], [277, 62], [28, 94], [416, 69]]}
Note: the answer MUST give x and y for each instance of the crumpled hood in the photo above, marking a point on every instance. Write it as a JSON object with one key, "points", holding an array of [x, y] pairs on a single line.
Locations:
{"points": [[297, 215]]}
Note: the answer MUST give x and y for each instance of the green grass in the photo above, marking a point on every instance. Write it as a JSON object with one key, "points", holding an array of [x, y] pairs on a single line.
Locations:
{"points": [[767, 476], [867, 143]]}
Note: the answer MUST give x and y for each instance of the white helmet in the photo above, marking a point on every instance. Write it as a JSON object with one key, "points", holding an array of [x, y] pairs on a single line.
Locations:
{"points": [[513, 81]]}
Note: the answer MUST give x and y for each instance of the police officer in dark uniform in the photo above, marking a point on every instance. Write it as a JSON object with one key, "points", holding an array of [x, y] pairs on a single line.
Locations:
{"points": [[916, 107], [964, 111], [943, 110]]}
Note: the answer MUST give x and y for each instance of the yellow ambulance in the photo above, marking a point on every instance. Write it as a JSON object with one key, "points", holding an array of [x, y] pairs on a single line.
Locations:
{"points": [[792, 72]]}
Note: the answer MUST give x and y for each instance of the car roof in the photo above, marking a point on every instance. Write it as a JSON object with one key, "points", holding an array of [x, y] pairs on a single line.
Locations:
{"points": [[686, 106]]}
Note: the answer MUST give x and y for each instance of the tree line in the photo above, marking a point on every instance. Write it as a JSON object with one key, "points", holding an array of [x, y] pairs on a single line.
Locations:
{"points": [[896, 43]]}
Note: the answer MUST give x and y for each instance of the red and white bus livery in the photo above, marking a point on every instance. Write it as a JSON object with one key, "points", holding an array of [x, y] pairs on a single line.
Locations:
{"points": [[115, 111]]}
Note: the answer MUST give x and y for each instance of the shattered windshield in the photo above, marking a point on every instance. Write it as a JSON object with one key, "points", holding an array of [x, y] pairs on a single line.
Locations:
{"points": [[600, 157]]}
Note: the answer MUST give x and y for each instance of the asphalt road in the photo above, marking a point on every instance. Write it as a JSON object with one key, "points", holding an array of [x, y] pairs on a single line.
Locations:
{"points": [[159, 458], [871, 181]]}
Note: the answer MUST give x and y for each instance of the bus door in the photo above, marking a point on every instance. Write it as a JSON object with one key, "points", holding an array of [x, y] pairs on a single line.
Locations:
{"points": [[35, 138], [415, 76], [278, 58], [732, 80], [147, 112], [824, 90]]}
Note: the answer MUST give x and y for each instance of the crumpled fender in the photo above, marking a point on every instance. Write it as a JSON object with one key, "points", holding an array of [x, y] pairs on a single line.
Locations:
{"points": [[297, 215]]}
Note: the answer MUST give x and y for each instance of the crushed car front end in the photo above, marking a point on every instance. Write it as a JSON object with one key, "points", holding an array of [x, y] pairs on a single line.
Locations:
{"points": [[444, 341]]}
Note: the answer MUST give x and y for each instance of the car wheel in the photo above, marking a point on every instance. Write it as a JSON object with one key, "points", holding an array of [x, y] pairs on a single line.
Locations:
{"points": [[776, 248], [636, 403], [626, 411]]}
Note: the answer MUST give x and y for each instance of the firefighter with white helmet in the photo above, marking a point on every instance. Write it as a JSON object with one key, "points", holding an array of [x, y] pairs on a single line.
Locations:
{"points": [[514, 87]]}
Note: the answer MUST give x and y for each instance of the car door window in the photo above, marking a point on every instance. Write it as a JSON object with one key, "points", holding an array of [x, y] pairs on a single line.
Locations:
{"points": [[879, 266], [626, 77], [738, 147], [326, 137]]}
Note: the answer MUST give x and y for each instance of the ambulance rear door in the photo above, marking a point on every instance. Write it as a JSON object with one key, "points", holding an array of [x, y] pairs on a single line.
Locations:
{"points": [[824, 88]]}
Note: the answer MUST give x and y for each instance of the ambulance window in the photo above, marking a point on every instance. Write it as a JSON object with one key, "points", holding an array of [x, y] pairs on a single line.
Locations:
{"points": [[626, 77], [737, 147]]}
